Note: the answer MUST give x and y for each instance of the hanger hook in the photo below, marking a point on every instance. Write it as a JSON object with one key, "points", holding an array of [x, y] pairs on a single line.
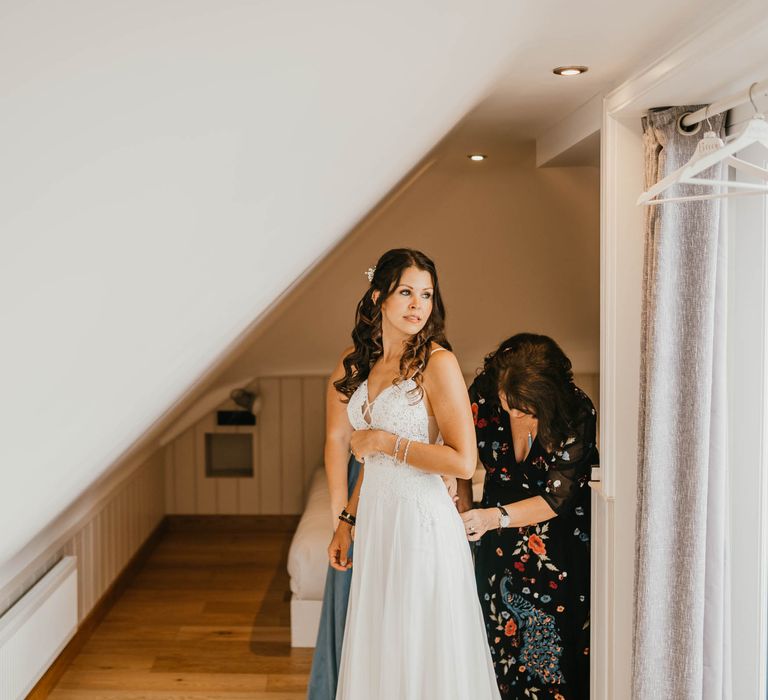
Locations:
{"points": [[706, 116], [751, 99]]}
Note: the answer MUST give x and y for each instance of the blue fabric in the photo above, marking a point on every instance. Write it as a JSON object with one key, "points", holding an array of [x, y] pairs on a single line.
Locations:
{"points": [[327, 657]]}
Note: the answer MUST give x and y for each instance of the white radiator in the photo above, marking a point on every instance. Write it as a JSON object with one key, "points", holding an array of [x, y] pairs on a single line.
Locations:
{"points": [[35, 630]]}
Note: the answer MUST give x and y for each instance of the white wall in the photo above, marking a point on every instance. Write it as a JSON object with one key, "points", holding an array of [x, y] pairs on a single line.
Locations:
{"points": [[169, 168], [747, 284]]}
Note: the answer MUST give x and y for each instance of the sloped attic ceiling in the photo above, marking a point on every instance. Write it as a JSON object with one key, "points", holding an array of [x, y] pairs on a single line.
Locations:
{"points": [[169, 169]]}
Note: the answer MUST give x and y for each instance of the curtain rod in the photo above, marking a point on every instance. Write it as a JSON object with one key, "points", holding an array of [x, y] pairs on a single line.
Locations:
{"points": [[727, 103]]}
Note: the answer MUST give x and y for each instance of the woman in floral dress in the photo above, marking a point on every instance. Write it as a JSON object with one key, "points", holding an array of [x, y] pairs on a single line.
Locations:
{"points": [[536, 438]]}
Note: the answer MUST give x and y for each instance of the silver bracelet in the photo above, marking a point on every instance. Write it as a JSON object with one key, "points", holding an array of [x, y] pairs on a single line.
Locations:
{"points": [[405, 454], [397, 447]]}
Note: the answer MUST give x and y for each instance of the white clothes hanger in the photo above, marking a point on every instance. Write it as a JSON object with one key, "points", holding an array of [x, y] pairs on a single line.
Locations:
{"points": [[710, 151]]}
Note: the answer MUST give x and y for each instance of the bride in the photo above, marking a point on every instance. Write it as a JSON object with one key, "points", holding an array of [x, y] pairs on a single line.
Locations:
{"points": [[414, 628]]}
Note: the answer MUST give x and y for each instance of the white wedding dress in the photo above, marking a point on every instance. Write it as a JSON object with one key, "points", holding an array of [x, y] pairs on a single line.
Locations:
{"points": [[414, 628]]}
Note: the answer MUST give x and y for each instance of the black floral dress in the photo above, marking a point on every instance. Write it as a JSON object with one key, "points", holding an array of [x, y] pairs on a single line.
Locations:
{"points": [[533, 581]]}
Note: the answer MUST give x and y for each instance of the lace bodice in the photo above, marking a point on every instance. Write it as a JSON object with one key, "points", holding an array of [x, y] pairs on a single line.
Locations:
{"points": [[398, 410]]}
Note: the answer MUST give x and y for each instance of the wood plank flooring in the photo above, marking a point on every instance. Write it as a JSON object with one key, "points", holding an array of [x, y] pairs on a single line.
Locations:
{"points": [[207, 618]]}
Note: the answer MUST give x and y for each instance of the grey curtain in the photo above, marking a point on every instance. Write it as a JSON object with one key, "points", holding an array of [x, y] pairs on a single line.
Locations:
{"points": [[682, 614]]}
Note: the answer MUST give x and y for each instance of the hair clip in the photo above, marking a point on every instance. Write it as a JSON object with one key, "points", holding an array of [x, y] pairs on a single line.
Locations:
{"points": [[369, 272]]}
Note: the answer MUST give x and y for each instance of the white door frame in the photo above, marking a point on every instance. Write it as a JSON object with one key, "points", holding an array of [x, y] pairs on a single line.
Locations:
{"points": [[725, 55], [747, 318]]}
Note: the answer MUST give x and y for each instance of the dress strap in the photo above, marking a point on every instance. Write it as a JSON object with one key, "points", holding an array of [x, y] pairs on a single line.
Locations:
{"points": [[437, 349]]}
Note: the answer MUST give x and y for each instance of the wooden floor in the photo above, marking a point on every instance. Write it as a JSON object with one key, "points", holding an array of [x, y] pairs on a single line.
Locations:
{"points": [[207, 618]]}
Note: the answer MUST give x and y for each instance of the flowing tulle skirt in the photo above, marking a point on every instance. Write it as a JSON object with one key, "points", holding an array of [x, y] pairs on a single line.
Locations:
{"points": [[414, 628]]}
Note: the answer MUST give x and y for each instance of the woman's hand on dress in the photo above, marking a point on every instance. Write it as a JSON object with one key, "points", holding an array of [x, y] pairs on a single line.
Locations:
{"points": [[338, 550], [478, 521], [365, 443]]}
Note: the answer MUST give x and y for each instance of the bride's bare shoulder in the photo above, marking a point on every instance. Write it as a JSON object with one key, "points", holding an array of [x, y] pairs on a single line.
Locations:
{"points": [[442, 363]]}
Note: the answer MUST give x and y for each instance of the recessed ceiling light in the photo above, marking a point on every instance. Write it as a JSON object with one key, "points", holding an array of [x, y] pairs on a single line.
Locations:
{"points": [[477, 156], [570, 70]]}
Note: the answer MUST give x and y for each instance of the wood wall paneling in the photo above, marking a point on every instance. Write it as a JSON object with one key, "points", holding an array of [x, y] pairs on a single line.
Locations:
{"points": [[227, 495], [205, 489], [170, 486], [270, 441], [184, 471], [77, 542], [287, 448], [106, 536], [313, 425], [248, 490], [291, 441], [101, 552], [88, 571]]}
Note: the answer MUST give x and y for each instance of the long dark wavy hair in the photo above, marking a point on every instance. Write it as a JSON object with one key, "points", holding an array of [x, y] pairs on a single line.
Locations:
{"points": [[535, 376], [366, 334]]}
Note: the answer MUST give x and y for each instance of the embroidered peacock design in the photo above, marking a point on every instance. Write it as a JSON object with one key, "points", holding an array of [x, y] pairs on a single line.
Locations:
{"points": [[541, 645]]}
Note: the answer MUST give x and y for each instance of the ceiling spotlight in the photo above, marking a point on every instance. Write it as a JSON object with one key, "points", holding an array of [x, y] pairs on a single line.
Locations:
{"points": [[477, 156], [570, 70]]}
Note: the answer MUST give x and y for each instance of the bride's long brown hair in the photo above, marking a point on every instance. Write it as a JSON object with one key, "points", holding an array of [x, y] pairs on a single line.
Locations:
{"points": [[366, 334]]}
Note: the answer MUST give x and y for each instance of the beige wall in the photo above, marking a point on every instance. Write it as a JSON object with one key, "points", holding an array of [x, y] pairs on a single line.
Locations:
{"points": [[517, 248]]}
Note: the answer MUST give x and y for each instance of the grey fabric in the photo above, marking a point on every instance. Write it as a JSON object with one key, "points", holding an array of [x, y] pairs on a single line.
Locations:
{"points": [[681, 615]]}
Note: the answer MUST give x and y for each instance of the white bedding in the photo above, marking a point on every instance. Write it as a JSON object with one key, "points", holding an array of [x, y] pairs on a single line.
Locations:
{"points": [[307, 557]]}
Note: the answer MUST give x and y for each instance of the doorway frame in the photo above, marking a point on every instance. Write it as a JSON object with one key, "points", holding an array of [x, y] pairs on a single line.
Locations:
{"points": [[723, 56]]}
